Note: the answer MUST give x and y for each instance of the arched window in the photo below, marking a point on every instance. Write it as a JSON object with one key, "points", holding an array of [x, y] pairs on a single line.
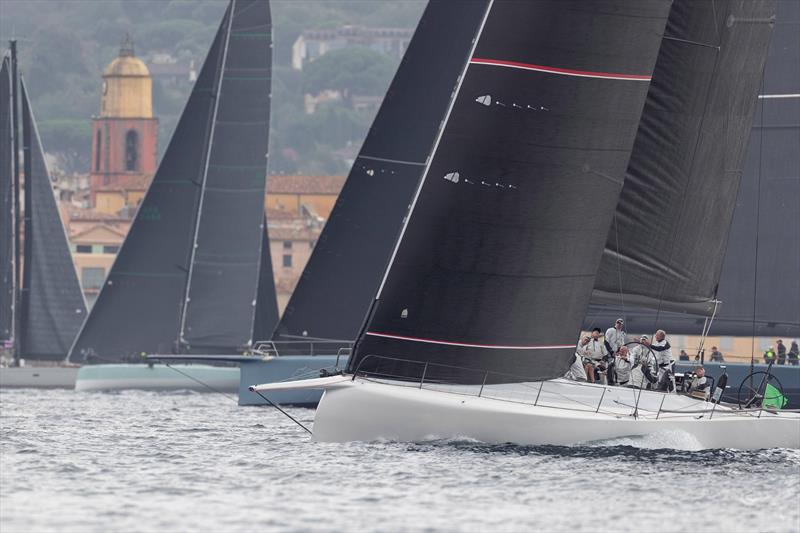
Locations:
{"points": [[131, 150], [99, 146]]}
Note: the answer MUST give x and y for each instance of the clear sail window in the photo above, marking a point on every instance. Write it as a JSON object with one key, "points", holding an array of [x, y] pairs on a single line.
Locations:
{"points": [[131, 150]]}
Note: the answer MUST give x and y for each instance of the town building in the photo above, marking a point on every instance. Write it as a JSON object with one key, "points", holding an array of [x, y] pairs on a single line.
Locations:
{"points": [[300, 195], [312, 44]]}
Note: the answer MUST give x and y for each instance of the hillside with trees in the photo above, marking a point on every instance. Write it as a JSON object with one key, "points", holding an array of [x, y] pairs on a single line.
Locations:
{"points": [[65, 44]]}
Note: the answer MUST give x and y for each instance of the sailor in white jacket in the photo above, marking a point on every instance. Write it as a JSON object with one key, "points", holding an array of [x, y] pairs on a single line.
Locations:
{"points": [[615, 336], [662, 349]]}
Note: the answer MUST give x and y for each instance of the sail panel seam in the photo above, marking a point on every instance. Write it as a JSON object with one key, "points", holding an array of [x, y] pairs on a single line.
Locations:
{"points": [[469, 345]]}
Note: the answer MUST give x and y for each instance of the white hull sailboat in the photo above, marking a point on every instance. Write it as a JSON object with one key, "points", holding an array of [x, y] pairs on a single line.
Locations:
{"points": [[500, 253], [557, 412]]}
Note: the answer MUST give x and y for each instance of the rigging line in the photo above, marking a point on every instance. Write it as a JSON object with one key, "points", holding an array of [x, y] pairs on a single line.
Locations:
{"points": [[758, 220], [276, 406], [217, 94], [203, 383], [619, 269]]}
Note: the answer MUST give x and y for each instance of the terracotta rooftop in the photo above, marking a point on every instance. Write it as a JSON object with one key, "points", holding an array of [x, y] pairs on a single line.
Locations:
{"points": [[305, 184], [137, 182]]}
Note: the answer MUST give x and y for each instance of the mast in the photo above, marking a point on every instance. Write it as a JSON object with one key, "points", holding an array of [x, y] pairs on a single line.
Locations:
{"points": [[180, 341], [16, 187], [8, 259]]}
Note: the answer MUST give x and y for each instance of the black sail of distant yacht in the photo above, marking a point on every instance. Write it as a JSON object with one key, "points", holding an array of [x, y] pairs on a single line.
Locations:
{"points": [[666, 247], [266, 315], [339, 282], [7, 217], [185, 278], [52, 306], [496, 263]]}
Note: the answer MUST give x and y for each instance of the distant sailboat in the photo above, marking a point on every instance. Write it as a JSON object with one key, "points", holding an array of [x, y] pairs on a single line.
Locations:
{"points": [[186, 279], [338, 284], [493, 272], [41, 302]]}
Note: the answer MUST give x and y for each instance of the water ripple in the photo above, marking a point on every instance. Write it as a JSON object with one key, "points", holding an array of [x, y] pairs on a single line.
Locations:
{"points": [[146, 461]]}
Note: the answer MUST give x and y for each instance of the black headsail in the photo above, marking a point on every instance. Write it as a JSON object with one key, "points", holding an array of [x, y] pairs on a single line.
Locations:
{"points": [[266, 315], [224, 271], [666, 247], [212, 159], [7, 216], [496, 263], [339, 282], [52, 304]]}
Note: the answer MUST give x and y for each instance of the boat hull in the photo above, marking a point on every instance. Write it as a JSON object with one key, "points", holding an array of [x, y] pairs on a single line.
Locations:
{"points": [[362, 410], [38, 377], [157, 377], [275, 369]]}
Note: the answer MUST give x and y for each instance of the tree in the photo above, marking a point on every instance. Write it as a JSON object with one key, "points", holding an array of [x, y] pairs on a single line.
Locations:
{"points": [[351, 71]]}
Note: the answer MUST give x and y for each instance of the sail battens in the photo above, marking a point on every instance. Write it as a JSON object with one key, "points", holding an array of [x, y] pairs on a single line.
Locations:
{"points": [[387, 160], [556, 70], [468, 345]]}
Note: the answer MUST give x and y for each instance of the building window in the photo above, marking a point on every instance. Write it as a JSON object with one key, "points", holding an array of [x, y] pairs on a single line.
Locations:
{"points": [[110, 249], [99, 145], [92, 277], [131, 150], [287, 245], [84, 248], [287, 261]]}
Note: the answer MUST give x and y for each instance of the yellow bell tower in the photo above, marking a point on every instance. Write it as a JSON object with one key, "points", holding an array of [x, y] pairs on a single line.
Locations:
{"points": [[125, 137], [127, 86]]}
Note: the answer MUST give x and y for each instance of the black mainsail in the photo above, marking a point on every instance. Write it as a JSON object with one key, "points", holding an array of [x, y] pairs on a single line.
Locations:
{"points": [[52, 306], [496, 263], [7, 213], [339, 282], [185, 278], [666, 249]]}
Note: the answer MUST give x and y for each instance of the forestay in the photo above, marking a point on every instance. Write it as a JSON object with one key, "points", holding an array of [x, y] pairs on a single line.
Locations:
{"points": [[342, 275], [496, 264]]}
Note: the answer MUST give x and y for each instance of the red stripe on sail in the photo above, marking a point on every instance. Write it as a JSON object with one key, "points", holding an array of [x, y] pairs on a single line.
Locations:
{"points": [[556, 70]]}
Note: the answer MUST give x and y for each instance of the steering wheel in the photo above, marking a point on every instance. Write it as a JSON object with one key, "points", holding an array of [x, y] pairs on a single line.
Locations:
{"points": [[753, 388]]}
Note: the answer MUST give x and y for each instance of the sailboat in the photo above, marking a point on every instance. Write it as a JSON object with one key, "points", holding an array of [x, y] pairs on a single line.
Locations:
{"points": [[193, 275], [488, 285], [41, 302], [334, 293], [759, 284]]}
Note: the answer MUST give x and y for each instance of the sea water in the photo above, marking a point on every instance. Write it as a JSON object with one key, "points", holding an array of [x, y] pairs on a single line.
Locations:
{"points": [[144, 461]]}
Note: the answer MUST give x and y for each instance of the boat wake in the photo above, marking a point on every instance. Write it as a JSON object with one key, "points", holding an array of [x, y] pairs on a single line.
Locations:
{"points": [[672, 439]]}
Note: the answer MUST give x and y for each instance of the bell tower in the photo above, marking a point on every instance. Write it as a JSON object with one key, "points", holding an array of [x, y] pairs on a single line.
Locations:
{"points": [[125, 134]]}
